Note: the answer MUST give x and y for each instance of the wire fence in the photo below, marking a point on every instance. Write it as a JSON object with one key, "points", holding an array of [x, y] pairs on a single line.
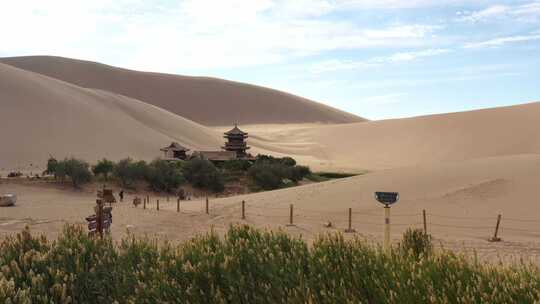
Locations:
{"points": [[490, 226]]}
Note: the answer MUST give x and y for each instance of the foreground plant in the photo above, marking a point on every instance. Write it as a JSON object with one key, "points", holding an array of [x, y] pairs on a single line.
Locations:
{"points": [[247, 265]]}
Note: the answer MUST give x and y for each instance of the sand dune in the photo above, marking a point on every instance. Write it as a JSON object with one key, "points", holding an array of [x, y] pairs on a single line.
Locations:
{"points": [[385, 144], [208, 101], [42, 116]]}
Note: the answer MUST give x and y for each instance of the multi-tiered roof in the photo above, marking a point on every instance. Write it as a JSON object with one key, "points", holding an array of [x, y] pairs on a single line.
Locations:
{"points": [[236, 142]]}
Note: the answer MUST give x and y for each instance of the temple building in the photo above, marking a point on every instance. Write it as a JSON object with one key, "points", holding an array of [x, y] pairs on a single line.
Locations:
{"points": [[175, 151], [236, 142], [235, 148]]}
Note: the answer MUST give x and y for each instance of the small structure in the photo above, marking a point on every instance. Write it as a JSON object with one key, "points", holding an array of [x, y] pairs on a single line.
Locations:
{"points": [[236, 142], [175, 151], [8, 200]]}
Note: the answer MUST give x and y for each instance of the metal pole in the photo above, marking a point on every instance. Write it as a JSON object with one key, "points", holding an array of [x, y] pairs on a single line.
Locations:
{"points": [[425, 223], [386, 227], [207, 205], [243, 210]]}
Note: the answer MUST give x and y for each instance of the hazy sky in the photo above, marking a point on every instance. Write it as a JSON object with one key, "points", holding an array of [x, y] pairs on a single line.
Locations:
{"points": [[375, 58]]}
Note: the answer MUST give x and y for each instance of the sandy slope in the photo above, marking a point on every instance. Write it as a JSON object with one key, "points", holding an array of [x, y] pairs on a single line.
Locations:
{"points": [[406, 142], [41, 116], [208, 101]]}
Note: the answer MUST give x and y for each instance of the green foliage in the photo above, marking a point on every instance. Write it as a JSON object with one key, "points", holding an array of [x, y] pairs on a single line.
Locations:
{"points": [[165, 176], [271, 173], [247, 265], [416, 242], [203, 174], [236, 165], [268, 176], [103, 167], [288, 161], [298, 173], [129, 171], [52, 165], [77, 170], [334, 175]]}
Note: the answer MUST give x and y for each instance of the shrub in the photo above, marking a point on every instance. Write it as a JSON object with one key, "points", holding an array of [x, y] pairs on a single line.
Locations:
{"points": [[165, 176], [236, 165], [203, 174], [297, 173], [268, 176], [77, 170], [288, 161], [129, 172], [416, 242], [247, 265], [336, 174], [104, 167]]}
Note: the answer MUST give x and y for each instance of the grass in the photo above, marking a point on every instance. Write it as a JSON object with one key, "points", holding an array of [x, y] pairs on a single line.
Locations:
{"points": [[247, 265]]}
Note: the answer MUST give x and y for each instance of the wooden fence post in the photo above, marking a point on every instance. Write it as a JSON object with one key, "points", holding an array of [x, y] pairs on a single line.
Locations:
{"points": [[157, 205], [291, 216], [178, 205], [495, 237], [207, 212], [350, 229], [99, 218], [243, 210], [425, 222]]}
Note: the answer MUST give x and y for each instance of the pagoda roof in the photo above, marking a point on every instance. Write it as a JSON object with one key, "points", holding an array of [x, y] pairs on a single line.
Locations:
{"points": [[235, 131], [174, 146]]}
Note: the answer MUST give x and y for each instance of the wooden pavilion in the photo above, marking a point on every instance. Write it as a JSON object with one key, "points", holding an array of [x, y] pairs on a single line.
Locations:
{"points": [[236, 142], [175, 151]]}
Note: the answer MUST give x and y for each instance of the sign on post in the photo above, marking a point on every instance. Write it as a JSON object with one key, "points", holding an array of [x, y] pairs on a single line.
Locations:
{"points": [[387, 199], [101, 221]]}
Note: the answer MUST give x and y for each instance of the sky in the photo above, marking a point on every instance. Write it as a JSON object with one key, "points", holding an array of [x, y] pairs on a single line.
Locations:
{"points": [[378, 59]]}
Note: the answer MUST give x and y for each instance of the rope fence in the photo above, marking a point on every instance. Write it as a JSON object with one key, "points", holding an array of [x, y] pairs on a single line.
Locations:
{"points": [[290, 215]]}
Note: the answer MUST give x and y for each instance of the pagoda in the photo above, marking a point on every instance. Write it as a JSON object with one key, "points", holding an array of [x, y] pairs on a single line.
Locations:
{"points": [[236, 142]]}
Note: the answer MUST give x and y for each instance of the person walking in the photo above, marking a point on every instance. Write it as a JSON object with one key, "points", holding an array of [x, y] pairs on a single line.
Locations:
{"points": [[121, 194]]}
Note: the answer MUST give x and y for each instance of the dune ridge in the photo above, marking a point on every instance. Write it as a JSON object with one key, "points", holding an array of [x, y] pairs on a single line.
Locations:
{"points": [[208, 101]]}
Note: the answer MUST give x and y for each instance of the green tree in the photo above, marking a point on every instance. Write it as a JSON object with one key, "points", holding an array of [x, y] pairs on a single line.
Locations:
{"points": [[52, 165], [268, 176], [163, 175], [77, 170], [128, 171], [103, 167], [203, 174]]}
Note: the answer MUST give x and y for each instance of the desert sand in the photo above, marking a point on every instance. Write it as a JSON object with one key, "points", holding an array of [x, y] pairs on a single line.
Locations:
{"points": [[208, 101], [462, 168]]}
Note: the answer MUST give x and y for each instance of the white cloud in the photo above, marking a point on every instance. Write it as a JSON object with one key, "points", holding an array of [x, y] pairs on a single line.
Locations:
{"points": [[501, 41], [523, 12], [193, 34], [338, 65]]}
